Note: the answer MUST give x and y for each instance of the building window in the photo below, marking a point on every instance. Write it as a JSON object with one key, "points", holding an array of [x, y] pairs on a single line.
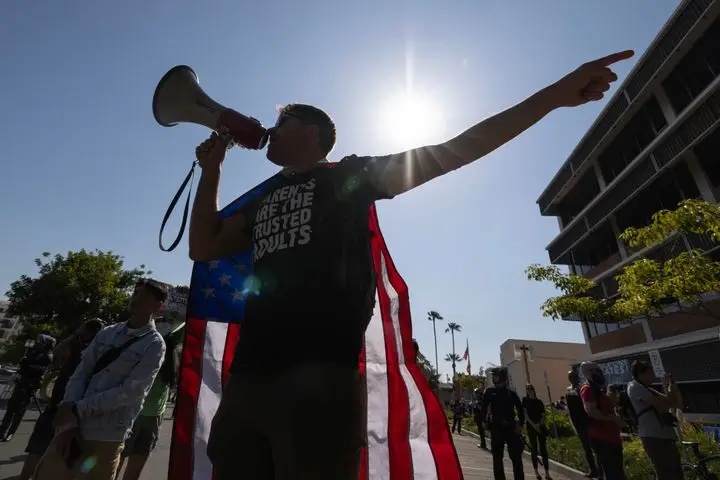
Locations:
{"points": [[707, 154], [662, 194], [642, 129], [697, 69]]}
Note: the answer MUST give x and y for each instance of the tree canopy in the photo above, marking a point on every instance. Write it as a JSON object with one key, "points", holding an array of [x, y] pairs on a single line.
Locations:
{"points": [[70, 289], [646, 287]]}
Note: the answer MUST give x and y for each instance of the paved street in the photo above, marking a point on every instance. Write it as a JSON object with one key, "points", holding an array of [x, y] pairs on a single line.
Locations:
{"points": [[12, 456], [476, 463]]}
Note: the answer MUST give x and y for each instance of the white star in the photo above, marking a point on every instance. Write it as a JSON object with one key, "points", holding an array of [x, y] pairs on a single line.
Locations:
{"points": [[225, 279], [213, 264], [209, 292], [237, 295]]}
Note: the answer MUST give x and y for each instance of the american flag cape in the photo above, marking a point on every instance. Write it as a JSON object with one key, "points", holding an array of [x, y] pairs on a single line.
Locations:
{"points": [[408, 435]]}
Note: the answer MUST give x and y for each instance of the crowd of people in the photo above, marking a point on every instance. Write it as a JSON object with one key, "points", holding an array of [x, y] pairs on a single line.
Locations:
{"points": [[598, 412], [111, 388]]}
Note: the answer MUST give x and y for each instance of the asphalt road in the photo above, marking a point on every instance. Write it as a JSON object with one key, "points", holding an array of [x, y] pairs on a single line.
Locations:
{"points": [[12, 455], [476, 463]]}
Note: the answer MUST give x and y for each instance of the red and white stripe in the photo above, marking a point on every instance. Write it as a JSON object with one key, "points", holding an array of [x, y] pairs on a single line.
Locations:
{"points": [[408, 436]]}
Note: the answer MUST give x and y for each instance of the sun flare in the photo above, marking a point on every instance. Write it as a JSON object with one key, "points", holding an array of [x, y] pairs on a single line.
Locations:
{"points": [[410, 120]]}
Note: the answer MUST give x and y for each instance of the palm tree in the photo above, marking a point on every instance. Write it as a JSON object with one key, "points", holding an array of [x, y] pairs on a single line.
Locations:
{"points": [[453, 358], [452, 328], [432, 316]]}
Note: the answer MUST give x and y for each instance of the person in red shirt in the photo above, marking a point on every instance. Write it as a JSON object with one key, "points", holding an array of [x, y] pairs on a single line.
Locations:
{"points": [[604, 425]]}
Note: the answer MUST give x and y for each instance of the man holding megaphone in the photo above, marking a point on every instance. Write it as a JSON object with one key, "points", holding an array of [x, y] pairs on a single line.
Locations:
{"points": [[314, 280]]}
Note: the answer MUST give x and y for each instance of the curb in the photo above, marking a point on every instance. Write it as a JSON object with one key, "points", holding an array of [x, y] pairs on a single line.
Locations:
{"points": [[559, 467]]}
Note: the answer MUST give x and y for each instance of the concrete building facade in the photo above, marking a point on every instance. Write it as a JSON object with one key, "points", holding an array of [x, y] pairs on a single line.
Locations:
{"points": [[544, 364], [656, 143]]}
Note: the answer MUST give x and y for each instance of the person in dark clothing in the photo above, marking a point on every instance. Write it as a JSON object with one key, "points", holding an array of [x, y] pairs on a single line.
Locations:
{"points": [[458, 414], [67, 356], [503, 425], [536, 431], [312, 259], [479, 420], [32, 368], [579, 420]]}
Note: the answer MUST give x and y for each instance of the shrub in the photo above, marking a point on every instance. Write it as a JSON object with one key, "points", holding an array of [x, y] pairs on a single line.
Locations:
{"points": [[558, 423]]}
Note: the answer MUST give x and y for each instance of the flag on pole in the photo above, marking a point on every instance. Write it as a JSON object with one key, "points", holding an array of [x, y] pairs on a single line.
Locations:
{"points": [[408, 435], [466, 356]]}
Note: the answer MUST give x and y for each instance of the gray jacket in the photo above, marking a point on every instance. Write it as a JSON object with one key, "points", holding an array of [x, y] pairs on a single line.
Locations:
{"points": [[108, 403]]}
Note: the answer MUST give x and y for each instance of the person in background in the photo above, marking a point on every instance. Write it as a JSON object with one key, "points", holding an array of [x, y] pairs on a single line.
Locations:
{"points": [[146, 428], [655, 422], [67, 355], [458, 414], [604, 424], [580, 420], [479, 421], [106, 393], [503, 404], [32, 368], [536, 431]]}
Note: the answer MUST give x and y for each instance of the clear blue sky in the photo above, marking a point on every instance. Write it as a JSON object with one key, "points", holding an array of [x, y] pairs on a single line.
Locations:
{"points": [[85, 165]]}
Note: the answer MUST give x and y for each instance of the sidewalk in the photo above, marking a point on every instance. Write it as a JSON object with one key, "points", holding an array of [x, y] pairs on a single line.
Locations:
{"points": [[477, 463]]}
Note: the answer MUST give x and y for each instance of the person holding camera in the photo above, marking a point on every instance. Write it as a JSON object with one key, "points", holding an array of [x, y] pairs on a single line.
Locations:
{"points": [[536, 431], [504, 428], [604, 425], [32, 368], [655, 422]]}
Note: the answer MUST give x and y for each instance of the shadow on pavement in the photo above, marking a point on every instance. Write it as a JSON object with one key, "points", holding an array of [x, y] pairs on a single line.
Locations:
{"points": [[14, 459]]}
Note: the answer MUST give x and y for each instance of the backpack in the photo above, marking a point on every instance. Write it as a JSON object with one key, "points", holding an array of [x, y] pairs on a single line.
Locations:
{"points": [[627, 411]]}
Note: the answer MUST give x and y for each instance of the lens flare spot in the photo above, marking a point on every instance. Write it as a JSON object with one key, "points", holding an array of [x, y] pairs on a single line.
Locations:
{"points": [[88, 464]]}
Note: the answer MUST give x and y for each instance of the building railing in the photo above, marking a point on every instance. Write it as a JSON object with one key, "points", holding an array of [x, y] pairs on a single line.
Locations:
{"points": [[663, 152], [662, 50]]}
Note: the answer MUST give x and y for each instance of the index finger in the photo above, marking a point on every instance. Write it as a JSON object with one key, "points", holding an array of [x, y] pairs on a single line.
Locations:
{"points": [[614, 58]]}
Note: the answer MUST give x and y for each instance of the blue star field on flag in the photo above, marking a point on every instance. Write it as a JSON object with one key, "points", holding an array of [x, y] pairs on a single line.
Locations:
{"points": [[219, 288]]}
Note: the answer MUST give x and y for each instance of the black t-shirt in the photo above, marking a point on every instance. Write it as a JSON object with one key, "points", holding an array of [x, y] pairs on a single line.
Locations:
{"points": [[313, 273], [576, 408], [502, 404], [534, 408]]}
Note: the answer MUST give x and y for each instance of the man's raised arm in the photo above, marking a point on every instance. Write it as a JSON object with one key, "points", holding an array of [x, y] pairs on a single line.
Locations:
{"points": [[398, 173]]}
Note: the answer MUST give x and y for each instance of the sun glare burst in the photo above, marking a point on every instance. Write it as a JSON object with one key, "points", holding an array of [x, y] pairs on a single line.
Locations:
{"points": [[411, 120]]}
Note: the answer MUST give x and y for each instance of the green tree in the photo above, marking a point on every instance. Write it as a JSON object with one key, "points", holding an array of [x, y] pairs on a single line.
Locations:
{"points": [[70, 289], [646, 287], [453, 328], [471, 382], [575, 298]]}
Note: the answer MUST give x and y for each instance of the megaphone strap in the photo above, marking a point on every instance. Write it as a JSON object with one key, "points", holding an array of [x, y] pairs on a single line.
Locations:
{"points": [[188, 179]]}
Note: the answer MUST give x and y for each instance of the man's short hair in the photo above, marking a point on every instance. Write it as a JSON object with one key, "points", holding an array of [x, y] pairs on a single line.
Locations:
{"points": [[156, 288], [94, 325], [639, 367], [314, 116]]}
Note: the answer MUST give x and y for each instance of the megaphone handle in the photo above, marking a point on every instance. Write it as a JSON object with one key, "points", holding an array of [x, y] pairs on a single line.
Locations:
{"points": [[226, 137], [188, 179]]}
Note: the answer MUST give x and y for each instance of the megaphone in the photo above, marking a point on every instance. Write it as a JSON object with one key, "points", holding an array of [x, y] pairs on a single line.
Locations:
{"points": [[178, 98]]}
